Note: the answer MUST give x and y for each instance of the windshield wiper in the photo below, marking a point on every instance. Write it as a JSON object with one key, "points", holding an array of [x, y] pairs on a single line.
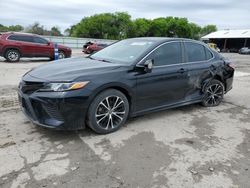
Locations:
{"points": [[103, 60], [91, 57]]}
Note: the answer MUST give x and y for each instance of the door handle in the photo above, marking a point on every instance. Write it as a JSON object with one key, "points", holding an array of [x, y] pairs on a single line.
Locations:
{"points": [[182, 70]]}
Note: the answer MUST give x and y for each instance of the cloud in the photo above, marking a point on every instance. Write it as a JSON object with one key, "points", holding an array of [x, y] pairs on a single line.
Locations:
{"points": [[64, 13]]}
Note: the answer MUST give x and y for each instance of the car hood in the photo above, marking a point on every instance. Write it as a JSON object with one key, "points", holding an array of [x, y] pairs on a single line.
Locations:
{"points": [[69, 69], [63, 47]]}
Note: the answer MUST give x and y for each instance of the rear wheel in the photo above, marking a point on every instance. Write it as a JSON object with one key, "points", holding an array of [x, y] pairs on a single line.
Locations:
{"points": [[108, 112], [12, 55], [213, 94]]}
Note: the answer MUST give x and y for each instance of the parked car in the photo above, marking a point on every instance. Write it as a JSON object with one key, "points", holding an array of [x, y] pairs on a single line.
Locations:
{"points": [[91, 47], [129, 78], [233, 50], [244, 50], [13, 46]]}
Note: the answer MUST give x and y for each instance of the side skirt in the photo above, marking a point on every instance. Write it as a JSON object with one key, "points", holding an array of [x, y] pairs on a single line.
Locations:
{"points": [[165, 107]]}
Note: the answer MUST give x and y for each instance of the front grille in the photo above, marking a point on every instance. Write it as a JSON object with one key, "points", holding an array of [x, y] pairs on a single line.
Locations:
{"points": [[26, 107], [30, 87], [52, 111]]}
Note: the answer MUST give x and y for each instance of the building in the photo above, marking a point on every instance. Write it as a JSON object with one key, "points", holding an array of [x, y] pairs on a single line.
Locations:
{"points": [[229, 40]]}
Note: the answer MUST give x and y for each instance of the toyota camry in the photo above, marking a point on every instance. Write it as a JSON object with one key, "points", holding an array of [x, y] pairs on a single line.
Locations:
{"points": [[127, 79]]}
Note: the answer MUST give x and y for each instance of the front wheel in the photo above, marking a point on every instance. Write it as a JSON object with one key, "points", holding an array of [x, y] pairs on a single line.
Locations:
{"points": [[213, 93], [108, 112], [61, 55]]}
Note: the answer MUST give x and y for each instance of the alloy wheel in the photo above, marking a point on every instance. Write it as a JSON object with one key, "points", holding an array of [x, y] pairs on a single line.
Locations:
{"points": [[61, 55], [13, 55], [214, 94], [110, 112]]}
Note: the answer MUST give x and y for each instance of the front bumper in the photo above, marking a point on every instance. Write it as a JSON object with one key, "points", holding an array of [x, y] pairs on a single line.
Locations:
{"points": [[57, 110], [68, 53]]}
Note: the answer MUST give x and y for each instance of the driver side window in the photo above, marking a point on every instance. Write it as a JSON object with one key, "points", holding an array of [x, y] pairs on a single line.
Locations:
{"points": [[167, 54]]}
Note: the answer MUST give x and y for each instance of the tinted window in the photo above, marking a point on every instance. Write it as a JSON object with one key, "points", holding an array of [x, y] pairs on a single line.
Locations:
{"points": [[22, 38], [125, 51], [167, 54], [195, 52], [40, 40]]}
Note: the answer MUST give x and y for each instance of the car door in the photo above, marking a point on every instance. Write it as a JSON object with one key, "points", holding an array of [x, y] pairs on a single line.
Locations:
{"points": [[167, 83], [24, 43], [42, 47], [201, 65]]}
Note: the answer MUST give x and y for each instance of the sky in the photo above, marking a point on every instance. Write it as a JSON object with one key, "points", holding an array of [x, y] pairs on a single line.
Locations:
{"points": [[226, 14]]}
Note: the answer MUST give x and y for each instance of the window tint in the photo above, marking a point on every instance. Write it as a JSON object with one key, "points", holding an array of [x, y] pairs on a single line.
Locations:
{"points": [[40, 40], [209, 54], [22, 38], [195, 52], [167, 54], [13, 37], [125, 51]]}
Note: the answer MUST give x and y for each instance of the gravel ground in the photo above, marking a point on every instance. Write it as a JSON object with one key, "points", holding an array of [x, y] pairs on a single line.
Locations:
{"points": [[191, 146]]}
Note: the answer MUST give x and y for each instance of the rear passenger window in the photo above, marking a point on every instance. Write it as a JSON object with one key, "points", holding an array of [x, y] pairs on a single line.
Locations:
{"points": [[22, 38], [167, 54], [195, 52]]}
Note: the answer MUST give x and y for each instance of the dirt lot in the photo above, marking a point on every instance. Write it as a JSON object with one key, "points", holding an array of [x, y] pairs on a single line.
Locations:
{"points": [[190, 146]]}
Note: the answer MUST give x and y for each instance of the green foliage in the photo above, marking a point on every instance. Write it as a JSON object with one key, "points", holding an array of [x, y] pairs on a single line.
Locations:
{"points": [[38, 29], [11, 28], [141, 27], [55, 31], [106, 25], [119, 25], [208, 29]]}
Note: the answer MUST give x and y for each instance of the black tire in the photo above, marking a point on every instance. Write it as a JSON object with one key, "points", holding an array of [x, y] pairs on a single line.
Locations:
{"points": [[12, 55], [108, 111], [213, 93], [61, 55]]}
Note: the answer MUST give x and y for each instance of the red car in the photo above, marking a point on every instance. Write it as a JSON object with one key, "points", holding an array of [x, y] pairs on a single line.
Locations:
{"points": [[91, 47], [13, 46]]}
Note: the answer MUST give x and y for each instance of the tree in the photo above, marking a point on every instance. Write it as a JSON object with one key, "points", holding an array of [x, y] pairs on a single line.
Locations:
{"points": [[55, 31], [119, 25], [158, 27], [195, 31], [208, 29], [10, 28], [36, 28], [140, 27], [107, 25], [16, 28]]}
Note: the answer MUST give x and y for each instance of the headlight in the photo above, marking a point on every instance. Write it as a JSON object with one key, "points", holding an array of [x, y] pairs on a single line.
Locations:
{"points": [[64, 86]]}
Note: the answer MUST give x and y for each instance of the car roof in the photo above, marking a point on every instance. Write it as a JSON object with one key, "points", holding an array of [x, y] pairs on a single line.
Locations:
{"points": [[19, 33], [159, 40]]}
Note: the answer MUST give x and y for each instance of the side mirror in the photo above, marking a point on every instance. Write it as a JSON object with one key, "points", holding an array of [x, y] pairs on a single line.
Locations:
{"points": [[148, 65], [49, 43]]}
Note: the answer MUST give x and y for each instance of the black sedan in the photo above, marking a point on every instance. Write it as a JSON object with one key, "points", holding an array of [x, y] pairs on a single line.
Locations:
{"points": [[129, 78]]}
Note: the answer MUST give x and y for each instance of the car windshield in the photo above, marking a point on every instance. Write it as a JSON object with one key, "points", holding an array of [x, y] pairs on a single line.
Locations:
{"points": [[125, 51]]}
